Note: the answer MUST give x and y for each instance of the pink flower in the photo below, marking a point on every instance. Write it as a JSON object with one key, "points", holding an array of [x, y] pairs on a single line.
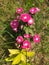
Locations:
{"points": [[19, 39], [26, 44], [36, 38], [19, 10], [14, 24], [25, 17], [27, 36], [31, 21], [34, 10]]}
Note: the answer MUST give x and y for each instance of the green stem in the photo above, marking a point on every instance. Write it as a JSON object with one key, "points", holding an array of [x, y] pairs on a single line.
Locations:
{"points": [[26, 57]]}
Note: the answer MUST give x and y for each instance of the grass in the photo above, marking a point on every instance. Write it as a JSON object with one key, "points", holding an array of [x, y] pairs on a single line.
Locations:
{"points": [[7, 12]]}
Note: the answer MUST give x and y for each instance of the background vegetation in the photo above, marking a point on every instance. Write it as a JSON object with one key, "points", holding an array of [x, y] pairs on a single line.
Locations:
{"points": [[7, 36]]}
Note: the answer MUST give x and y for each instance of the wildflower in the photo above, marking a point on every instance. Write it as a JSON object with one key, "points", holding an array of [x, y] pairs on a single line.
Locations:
{"points": [[34, 10], [19, 39], [14, 25], [25, 17], [26, 44], [36, 38], [19, 10]]}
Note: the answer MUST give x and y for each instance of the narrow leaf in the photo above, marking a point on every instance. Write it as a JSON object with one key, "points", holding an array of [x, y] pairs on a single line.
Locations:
{"points": [[13, 51], [9, 59], [23, 58], [16, 59]]}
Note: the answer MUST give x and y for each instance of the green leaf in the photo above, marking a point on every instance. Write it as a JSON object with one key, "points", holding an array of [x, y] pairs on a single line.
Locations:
{"points": [[47, 22], [13, 51], [28, 64], [23, 58], [26, 29], [10, 58], [41, 0], [30, 54], [17, 59], [23, 51], [31, 31]]}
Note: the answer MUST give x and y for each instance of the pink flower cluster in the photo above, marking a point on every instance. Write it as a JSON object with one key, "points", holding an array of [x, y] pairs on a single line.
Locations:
{"points": [[25, 43], [26, 18]]}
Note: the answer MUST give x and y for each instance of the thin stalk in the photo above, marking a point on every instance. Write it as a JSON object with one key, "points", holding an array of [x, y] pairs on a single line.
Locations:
{"points": [[26, 57]]}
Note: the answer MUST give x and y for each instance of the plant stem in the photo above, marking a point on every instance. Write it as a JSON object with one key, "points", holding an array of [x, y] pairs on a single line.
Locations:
{"points": [[26, 57]]}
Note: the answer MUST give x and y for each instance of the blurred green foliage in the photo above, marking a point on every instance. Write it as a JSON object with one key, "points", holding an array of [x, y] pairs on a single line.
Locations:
{"points": [[7, 36]]}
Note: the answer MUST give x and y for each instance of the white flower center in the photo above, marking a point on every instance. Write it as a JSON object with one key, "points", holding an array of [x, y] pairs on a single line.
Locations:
{"points": [[25, 17], [19, 40], [19, 10], [14, 23], [15, 28], [32, 10], [25, 44], [36, 38]]}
